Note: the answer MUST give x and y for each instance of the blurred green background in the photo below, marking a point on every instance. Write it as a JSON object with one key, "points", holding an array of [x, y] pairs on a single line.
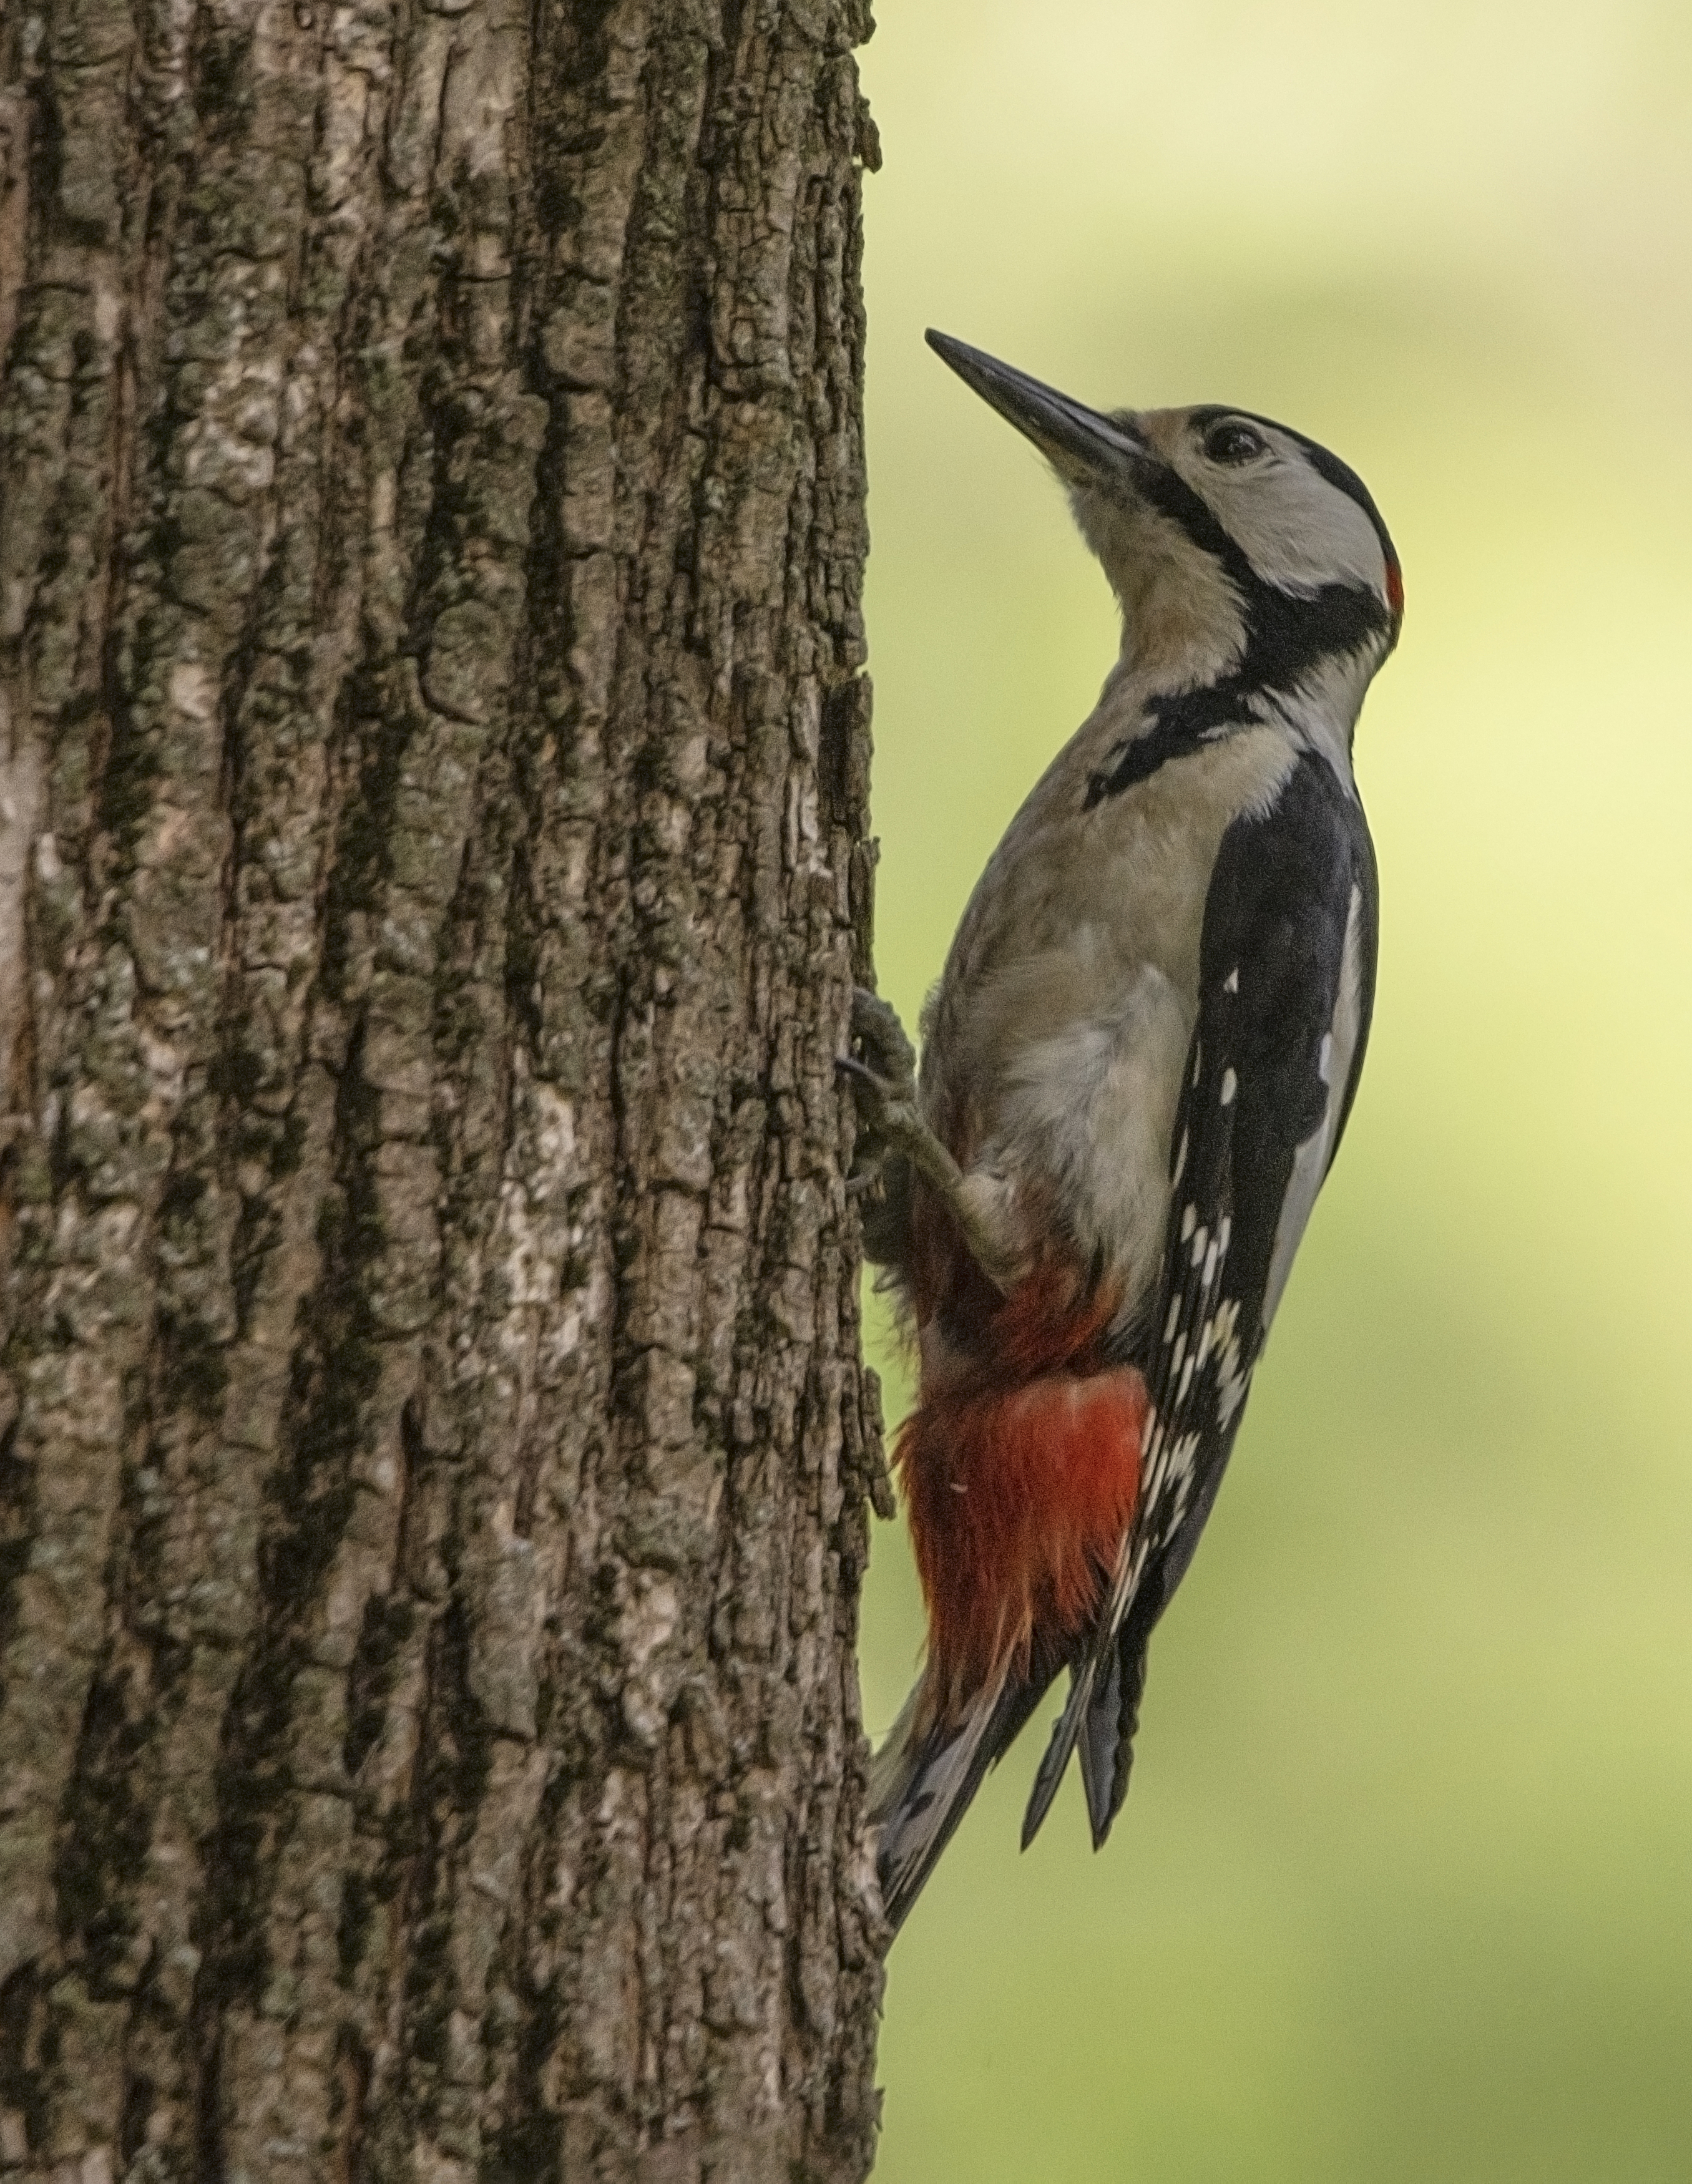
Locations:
{"points": [[1403, 1887]]}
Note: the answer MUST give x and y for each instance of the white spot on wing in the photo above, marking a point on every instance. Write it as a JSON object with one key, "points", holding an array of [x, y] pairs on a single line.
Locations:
{"points": [[1231, 1084], [1231, 1377], [1231, 984]]}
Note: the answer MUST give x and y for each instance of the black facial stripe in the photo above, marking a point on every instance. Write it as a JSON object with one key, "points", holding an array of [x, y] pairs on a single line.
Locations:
{"points": [[1287, 636], [1161, 488]]}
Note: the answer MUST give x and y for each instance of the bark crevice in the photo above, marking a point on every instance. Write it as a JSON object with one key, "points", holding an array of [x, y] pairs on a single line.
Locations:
{"points": [[434, 862]]}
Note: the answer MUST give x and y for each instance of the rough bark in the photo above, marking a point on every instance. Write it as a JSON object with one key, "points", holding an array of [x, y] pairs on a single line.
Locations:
{"points": [[433, 865]]}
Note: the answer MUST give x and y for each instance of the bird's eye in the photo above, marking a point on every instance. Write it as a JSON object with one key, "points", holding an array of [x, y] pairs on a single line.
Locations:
{"points": [[1233, 442]]}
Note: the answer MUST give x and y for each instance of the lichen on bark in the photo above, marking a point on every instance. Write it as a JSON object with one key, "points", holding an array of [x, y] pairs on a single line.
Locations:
{"points": [[433, 864]]}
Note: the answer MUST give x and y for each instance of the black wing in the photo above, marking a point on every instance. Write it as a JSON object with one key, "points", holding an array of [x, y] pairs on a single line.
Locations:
{"points": [[1287, 976]]}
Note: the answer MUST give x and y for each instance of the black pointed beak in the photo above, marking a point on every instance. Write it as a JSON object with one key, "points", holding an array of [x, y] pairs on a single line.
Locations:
{"points": [[1083, 446]]}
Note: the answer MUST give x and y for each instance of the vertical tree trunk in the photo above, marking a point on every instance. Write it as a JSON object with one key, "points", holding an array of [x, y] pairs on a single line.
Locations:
{"points": [[431, 870]]}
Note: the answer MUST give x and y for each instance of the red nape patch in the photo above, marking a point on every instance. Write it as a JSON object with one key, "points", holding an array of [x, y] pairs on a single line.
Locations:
{"points": [[1395, 587], [1019, 1492]]}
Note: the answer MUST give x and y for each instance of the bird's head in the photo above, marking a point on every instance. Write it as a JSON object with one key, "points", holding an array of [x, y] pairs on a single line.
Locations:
{"points": [[1228, 539]]}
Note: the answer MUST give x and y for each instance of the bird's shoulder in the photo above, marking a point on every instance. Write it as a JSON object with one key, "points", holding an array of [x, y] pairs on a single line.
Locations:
{"points": [[1129, 864]]}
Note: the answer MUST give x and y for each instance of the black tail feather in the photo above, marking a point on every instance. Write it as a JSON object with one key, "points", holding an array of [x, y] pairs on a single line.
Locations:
{"points": [[1106, 1736]]}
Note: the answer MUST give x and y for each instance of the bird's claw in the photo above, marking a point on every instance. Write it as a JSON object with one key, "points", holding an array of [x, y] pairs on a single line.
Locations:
{"points": [[895, 1141], [883, 1081], [883, 1077], [889, 1060]]}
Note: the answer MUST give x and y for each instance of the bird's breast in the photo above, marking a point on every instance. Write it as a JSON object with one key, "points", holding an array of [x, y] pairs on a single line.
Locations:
{"points": [[1055, 1045]]}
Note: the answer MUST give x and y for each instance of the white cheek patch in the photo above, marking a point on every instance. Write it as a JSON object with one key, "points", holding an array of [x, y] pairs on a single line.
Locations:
{"points": [[1297, 530]]}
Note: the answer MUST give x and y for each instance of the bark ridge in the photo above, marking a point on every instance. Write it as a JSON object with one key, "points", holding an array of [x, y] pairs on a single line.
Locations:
{"points": [[433, 864]]}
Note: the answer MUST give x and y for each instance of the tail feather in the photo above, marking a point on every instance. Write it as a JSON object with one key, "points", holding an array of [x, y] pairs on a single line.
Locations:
{"points": [[1103, 1710], [1055, 1760], [1107, 1738], [1020, 1471], [922, 1780], [1097, 1748]]}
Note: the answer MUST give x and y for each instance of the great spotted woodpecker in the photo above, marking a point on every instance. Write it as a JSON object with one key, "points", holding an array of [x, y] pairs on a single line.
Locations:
{"points": [[1135, 1070]]}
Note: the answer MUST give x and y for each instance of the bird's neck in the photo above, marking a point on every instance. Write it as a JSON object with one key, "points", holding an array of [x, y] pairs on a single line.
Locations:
{"points": [[1319, 710], [1311, 696], [1184, 623]]}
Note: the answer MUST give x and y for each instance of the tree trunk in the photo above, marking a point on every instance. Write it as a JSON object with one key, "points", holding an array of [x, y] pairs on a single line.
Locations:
{"points": [[433, 867]]}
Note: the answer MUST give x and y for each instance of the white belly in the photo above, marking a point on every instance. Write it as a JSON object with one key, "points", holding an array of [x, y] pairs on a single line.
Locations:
{"points": [[1083, 1124]]}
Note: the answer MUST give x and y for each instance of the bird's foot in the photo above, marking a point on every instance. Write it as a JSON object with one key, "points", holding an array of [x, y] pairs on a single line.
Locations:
{"points": [[891, 1125], [883, 1072]]}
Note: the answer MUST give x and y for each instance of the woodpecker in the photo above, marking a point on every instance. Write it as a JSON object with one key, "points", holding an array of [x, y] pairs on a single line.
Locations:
{"points": [[1135, 1070]]}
